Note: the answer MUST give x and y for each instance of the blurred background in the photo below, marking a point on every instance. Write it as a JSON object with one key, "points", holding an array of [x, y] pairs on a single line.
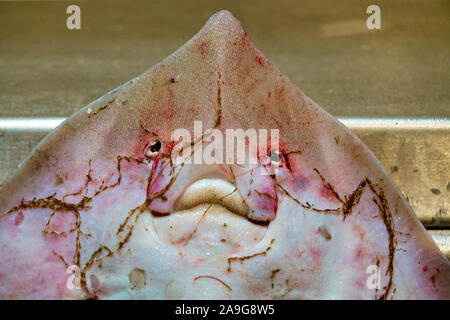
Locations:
{"points": [[390, 86]]}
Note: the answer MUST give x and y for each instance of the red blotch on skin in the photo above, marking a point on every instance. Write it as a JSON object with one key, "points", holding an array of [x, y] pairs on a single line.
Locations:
{"points": [[360, 283], [19, 218], [299, 183], [425, 269], [358, 254], [326, 193], [300, 254], [433, 280], [94, 284], [62, 222], [259, 60], [266, 203], [203, 49], [269, 94]]}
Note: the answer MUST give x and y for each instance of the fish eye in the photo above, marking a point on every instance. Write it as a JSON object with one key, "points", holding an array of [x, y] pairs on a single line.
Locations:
{"points": [[155, 146], [152, 149]]}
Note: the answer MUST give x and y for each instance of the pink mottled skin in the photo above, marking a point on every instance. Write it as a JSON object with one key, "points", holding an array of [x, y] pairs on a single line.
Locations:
{"points": [[95, 196]]}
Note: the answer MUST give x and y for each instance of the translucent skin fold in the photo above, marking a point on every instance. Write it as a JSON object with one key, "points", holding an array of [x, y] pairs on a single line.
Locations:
{"points": [[91, 195]]}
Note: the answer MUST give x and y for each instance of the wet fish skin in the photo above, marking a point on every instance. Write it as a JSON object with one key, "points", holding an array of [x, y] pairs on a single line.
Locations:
{"points": [[84, 196]]}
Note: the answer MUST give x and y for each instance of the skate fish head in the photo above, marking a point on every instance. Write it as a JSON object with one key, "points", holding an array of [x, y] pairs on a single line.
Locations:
{"points": [[211, 175]]}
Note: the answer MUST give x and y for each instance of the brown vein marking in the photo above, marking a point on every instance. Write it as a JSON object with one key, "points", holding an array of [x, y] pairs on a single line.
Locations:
{"points": [[329, 186], [47, 203], [251, 183], [158, 175], [386, 216], [64, 233], [172, 166], [197, 224], [160, 172], [274, 272], [60, 257], [55, 204], [219, 103], [139, 209], [101, 108], [242, 259], [214, 278], [265, 194], [246, 172], [123, 224], [86, 184], [384, 213], [272, 276], [147, 130], [204, 214], [307, 205], [378, 266], [190, 145], [353, 199], [161, 193], [287, 160], [93, 260], [88, 264]]}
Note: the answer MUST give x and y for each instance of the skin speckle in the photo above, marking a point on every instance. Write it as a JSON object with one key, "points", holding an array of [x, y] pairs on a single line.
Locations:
{"points": [[59, 180], [435, 191], [259, 60], [274, 272], [137, 279], [19, 218], [323, 231]]}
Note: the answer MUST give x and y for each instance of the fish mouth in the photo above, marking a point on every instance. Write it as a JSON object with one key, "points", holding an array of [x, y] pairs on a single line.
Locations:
{"points": [[212, 191], [210, 218]]}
